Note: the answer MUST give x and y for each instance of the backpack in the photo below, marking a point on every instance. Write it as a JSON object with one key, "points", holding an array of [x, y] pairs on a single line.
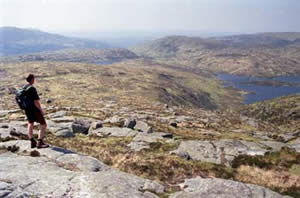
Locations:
{"points": [[22, 99]]}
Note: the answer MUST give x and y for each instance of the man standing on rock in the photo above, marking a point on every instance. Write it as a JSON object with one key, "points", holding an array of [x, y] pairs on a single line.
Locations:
{"points": [[35, 113]]}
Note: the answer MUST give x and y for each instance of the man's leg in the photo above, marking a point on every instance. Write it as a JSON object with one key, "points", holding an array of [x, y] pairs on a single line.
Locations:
{"points": [[40, 143], [42, 131], [30, 134], [30, 130]]}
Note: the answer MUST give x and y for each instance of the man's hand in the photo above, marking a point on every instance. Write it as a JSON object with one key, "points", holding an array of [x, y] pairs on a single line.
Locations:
{"points": [[38, 105], [43, 112]]}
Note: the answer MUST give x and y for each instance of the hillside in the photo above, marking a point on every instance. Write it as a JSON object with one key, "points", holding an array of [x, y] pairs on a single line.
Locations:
{"points": [[148, 148], [265, 54], [21, 41], [282, 111], [87, 55], [128, 82], [154, 128]]}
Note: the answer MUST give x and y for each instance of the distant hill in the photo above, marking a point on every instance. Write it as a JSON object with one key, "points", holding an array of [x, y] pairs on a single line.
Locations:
{"points": [[88, 55], [263, 54], [21, 41], [268, 40]]}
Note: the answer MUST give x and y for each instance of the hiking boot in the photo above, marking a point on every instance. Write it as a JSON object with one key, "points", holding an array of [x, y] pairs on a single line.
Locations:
{"points": [[41, 144], [33, 143]]}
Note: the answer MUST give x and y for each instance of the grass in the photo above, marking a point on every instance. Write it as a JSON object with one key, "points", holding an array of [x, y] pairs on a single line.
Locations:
{"points": [[280, 181], [284, 159], [237, 136]]}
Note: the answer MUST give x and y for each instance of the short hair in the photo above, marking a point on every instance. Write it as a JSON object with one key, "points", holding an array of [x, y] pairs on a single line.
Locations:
{"points": [[29, 78]]}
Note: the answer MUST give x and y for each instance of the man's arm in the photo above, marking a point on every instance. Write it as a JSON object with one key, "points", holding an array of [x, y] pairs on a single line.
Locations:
{"points": [[38, 105]]}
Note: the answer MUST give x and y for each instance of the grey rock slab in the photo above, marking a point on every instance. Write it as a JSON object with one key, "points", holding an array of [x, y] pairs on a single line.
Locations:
{"points": [[81, 126], [184, 118], [296, 147], [296, 134], [113, 131], [146, 137], [142, 140], [35, 176], [182, 154], [113, 120], [220, 188], [138, 146], [3, 113], [58, 114], [24, 146], [5, 133], [4, 125], [82, 162], [250, 121], [219, 152], [60, 129], [143, 127], [261, 136], [18, 123], [95, 125], [65, 132], [14, 111], [130, 123], [18, 130], [42, 177], [295, 141], [115, 184], [287, 137], [9, 190], [63, 119], [274, 146]]}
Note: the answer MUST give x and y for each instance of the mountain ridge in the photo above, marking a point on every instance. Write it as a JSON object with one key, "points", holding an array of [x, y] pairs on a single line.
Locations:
{"points": [[252, 55], [15, 40]]}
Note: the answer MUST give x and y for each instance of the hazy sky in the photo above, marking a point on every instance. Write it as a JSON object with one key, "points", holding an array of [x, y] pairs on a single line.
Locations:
{"points": [[152, 15]]}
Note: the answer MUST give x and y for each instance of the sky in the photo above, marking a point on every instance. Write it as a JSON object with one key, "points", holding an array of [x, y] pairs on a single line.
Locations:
{"points": [[243, 16]]}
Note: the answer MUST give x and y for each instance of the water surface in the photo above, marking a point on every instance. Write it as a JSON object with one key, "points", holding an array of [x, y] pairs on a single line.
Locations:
{"points": [[260, 89]]}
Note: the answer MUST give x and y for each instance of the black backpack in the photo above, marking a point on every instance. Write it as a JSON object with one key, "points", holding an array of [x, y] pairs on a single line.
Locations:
{"points": [[22, 98]]}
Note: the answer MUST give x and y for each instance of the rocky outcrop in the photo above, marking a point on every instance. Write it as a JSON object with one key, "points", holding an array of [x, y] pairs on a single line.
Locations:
{"points": [[13, 130], [60, 129], [113, 131], [62, 173], [143, 140], [219, 152], [81, 126], [213, 188], [143, 127], [130, 123], [95, 125], [225, 151], [58, 114], [296, 147]]}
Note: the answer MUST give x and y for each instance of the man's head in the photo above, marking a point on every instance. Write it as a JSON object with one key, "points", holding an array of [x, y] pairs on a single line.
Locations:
{"points": [[30, 79]]}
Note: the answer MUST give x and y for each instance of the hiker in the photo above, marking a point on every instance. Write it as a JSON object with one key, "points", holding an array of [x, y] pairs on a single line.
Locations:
{"points": [[35, 113]]}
